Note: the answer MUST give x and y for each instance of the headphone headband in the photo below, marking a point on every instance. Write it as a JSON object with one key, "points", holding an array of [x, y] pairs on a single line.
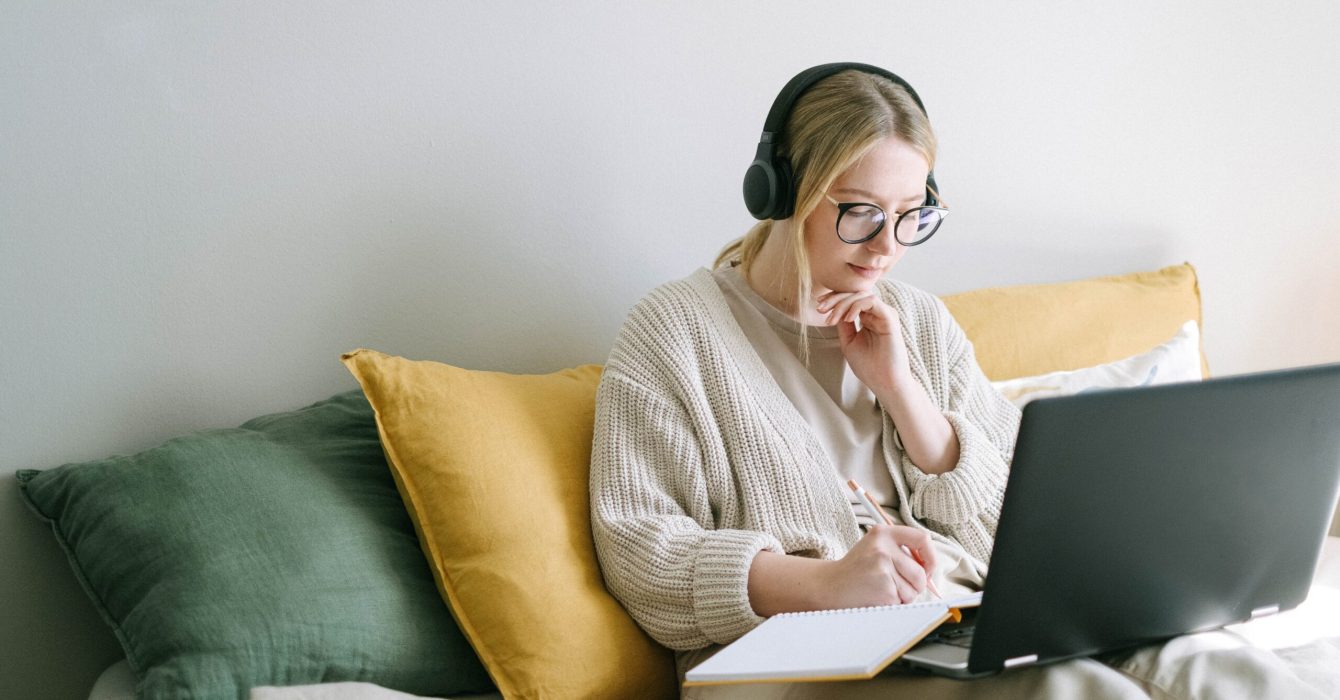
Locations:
{"points": [[786, 99], [769, 191]]}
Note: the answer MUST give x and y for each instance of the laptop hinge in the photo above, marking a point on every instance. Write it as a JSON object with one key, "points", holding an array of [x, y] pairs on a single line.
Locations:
{"points": [[1264, 610], [1021, 660]]}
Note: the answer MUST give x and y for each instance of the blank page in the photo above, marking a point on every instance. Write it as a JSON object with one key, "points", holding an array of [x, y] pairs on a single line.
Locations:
{"points": [[822, 645]]}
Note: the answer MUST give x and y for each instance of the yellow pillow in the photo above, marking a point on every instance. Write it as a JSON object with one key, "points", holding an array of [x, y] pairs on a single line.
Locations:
{"points": [[1040, 328], [493, 469]]}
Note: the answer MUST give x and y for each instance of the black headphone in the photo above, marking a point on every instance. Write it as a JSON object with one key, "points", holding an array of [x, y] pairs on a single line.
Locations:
{"points": [[769, 191]]}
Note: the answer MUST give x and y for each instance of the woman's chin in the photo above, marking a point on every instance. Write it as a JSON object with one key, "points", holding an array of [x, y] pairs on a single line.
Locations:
{"points": [[853, 283]]}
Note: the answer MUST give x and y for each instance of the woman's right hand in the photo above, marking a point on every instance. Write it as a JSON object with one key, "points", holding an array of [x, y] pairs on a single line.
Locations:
{"points": [[878, 570], [881, 569]]}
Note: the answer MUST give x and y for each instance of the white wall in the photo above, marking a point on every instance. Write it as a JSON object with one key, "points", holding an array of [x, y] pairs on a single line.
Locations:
{"points": [[203, 204]]}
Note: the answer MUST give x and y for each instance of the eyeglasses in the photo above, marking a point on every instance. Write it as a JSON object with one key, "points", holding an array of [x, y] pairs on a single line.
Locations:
{"points": [[858, 222]]}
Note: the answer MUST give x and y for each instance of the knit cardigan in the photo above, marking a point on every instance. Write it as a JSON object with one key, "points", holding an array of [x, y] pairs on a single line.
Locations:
{"points": [[700, 461]]}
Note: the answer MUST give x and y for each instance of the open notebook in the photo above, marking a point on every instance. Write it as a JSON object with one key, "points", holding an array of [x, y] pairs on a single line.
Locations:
{"points": [[826, 645]]}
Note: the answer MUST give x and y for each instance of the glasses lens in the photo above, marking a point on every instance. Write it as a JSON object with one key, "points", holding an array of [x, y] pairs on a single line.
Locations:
{"points": [[916, 225], [859, 223]]}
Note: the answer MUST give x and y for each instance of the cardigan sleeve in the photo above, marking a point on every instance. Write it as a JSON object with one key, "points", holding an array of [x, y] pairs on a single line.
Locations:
{"points": [[965, 502], [683, 581]]}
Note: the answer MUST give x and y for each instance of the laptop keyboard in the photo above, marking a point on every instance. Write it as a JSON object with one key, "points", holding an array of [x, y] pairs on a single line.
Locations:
{"points": [[961, 637]]}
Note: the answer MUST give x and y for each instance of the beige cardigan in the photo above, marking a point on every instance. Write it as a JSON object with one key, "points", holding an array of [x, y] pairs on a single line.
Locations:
{"points": [[700, 461]]}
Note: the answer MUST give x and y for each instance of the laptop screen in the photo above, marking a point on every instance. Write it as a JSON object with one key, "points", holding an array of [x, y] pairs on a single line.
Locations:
{"points": [[1135, 515]]}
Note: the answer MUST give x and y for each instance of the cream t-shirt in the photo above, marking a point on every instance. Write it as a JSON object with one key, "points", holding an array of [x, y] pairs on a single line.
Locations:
{"points": [[842, 411]]}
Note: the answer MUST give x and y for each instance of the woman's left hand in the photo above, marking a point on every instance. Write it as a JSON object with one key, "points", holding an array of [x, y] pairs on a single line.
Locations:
{"points": [[877, 352]]}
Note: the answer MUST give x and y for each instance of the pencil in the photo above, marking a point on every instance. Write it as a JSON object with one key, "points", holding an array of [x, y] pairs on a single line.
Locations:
{"points": [[879, 515]]}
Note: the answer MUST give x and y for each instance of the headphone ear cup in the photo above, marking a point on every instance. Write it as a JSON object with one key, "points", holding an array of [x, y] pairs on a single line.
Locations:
{"points": [[931, 189], [786, 190], [761, 189]]}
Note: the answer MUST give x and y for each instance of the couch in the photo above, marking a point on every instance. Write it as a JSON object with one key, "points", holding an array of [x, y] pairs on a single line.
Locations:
{"points": [[429, 531]]}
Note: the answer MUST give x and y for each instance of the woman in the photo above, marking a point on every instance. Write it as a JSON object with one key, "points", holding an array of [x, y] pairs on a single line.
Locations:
{"points": [[738, 402]]}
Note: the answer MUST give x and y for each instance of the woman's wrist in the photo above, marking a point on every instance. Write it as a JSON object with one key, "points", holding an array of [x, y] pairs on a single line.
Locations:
{"points": [[927, 436], [781, 583], [900, 381]]}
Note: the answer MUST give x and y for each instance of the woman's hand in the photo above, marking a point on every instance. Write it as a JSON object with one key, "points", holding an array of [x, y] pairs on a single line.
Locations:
{"points": [[881, 569], [877, 352], [877, 355]]}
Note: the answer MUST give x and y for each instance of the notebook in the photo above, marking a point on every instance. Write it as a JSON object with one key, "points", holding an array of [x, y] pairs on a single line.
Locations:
{"points": [[826, 645]]}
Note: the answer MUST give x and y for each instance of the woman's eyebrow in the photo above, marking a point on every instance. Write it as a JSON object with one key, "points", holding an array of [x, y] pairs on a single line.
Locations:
{"points": [[869, 195]]}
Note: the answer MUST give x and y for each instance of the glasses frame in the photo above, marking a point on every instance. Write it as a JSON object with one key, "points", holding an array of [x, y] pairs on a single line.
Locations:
{"points": [[844, 207]]}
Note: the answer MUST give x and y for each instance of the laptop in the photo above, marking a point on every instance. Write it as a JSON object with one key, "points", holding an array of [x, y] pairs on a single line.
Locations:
{"points": [[1135, 515]]}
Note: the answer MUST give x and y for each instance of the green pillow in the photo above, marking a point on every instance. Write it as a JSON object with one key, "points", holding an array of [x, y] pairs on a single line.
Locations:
{"points": [[276, 553]]}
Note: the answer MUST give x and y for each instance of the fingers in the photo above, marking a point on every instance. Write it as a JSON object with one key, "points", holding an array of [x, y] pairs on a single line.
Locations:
{"points": [[918, 545], [927, 555], [829, 300], [845, 307], [842, 307], [846, 333], [907, 591], [910, 578], [902, 567]]}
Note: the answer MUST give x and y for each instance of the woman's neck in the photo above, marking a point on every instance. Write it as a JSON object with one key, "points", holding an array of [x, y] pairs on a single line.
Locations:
{"points": [[772, 276]]}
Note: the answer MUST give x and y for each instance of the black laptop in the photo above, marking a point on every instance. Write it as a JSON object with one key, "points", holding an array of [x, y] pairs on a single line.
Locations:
{"points": [[1136, 515]]}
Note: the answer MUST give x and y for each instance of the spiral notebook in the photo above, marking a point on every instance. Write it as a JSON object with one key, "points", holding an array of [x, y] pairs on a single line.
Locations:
{"points": [[826, 645]]}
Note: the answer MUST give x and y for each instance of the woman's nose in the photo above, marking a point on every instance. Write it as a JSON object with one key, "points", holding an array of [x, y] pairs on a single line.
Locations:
{"points": [[884, 243]]}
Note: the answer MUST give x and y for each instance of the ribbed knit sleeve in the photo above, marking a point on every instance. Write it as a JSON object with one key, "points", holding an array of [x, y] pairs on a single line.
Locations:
{"points": [[683, 581], [964, 502]]}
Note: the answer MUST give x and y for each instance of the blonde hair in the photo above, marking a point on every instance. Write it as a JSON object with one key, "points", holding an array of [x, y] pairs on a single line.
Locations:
{"points": [[833, 124]]}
